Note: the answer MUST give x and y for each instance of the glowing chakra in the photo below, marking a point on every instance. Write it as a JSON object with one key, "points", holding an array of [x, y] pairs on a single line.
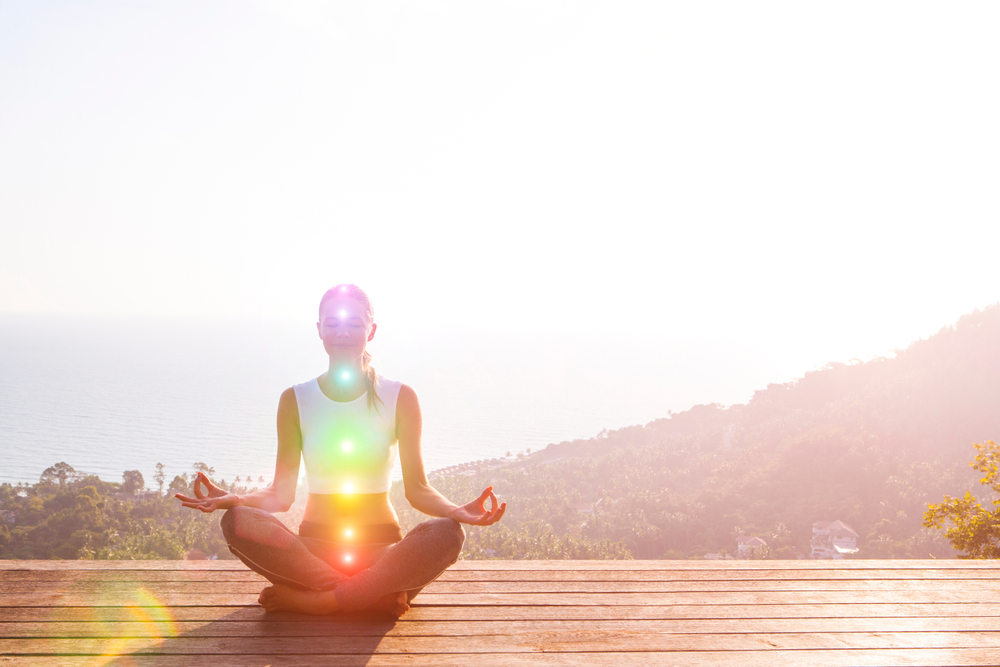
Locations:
{"points": [[347, 558], [343, 313], [346, 375], [347, 447], [348, 533], [348, 488]]}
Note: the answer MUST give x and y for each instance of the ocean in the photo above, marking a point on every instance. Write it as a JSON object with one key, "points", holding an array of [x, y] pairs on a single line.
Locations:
{"points": [[111, 394]]}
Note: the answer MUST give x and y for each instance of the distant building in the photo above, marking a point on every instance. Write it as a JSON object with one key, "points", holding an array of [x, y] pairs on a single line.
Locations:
{"points": [[746, 546], [833, 539]]}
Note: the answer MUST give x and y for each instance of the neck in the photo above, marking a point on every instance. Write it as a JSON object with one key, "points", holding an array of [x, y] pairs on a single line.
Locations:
{"points": [[345, 380]]}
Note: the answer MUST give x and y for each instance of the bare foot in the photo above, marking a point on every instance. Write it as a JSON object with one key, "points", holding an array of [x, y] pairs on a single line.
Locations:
{"points": [[286, 598], [394, 604]]}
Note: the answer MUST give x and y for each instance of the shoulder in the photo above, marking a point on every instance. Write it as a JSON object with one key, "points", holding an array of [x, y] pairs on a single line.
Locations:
{"points": [[407, 395], [288, 405], [407, 405]]}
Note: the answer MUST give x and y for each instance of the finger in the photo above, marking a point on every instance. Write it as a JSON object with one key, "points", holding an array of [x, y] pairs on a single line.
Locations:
{"points": [[185, 498], [481, 500], [496, 517], [209, 484], [196, 487], [493, 501]]}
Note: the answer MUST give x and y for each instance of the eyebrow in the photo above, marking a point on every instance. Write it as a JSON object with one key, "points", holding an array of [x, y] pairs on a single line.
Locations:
{"points": [[334, 317]]}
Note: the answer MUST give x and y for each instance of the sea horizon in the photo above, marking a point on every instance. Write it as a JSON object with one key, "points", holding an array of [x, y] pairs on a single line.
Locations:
{"points": [[109, 394]]}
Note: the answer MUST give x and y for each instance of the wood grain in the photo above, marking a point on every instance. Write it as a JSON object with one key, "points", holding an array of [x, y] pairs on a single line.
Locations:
{"points": [[499, 613]]}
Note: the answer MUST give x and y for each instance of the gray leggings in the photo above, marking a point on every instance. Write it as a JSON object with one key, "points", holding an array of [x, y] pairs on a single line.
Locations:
{"points": [[359, 574]]}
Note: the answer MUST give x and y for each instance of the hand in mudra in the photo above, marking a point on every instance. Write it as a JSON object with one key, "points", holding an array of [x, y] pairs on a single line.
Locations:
{"points": [[211, 499], [476, 514]]}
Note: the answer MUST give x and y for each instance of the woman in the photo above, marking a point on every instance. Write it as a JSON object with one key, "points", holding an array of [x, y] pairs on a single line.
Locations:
{"points": [[350, 552]]}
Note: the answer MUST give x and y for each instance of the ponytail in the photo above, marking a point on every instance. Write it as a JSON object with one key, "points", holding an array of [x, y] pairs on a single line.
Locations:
{"points": [[372, 378]]}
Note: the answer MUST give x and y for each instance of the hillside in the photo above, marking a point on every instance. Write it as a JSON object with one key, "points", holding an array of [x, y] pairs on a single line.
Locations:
{"points": [[868, 443]]}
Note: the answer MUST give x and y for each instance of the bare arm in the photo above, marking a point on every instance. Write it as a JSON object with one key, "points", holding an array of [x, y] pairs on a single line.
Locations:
{"points": [[419, 493], [278, 497]]}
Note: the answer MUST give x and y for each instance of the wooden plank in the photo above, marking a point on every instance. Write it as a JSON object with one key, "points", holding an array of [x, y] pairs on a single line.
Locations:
{"points": [[146, 599], [541, 565], [618, 613], [505, 643], [408, 628], [535, 587], [42, 614], [245, 575], [835, 658]]}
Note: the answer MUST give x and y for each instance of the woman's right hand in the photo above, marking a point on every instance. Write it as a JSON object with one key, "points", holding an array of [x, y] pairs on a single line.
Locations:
{"points": [[211, 499]]}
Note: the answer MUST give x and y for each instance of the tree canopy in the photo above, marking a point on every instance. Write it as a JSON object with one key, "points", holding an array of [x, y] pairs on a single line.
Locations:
{"points": [[974, 529]]}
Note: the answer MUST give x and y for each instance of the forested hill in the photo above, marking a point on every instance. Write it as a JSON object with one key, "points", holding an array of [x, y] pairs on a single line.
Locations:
{"points": [[867, 443]]}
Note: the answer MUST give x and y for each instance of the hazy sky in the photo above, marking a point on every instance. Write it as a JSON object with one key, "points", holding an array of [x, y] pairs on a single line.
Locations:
{"points": [[809, 181]]}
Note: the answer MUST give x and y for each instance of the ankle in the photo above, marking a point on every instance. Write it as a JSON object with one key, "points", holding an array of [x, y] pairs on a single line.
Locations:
{"points": [[326, 602]]}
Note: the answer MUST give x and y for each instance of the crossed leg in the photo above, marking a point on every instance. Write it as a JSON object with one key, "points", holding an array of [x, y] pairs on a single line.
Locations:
{"points": [[312, 576]]}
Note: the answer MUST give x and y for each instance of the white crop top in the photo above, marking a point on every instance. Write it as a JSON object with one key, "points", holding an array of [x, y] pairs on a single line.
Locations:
{"points": [[346, 448]]}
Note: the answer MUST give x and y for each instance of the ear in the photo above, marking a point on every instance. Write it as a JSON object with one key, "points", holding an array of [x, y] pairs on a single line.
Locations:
{"points": [[371, 334], [319, 329]]}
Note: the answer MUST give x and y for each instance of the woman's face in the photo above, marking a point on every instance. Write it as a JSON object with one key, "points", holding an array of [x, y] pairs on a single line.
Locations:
{"points": [[344, 328]]}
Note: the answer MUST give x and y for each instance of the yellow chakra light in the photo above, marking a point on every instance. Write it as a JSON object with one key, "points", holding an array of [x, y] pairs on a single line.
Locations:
{"points": [[348, 533], [348, 488]]}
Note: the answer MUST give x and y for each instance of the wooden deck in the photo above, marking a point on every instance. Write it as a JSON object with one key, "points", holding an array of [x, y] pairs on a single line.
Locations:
{"points": [[497, 613]]}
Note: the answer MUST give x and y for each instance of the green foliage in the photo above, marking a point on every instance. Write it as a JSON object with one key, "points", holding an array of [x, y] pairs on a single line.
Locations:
{"points": [[60, 472], [68, 516], [132, 481], [160, 477], [974, 529]]}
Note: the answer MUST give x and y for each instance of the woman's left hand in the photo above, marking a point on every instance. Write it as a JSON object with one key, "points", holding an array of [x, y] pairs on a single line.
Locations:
{"points": [[476, 514]]}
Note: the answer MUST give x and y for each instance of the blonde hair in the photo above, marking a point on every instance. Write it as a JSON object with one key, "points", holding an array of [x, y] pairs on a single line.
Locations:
{"points": [[358, 294]]}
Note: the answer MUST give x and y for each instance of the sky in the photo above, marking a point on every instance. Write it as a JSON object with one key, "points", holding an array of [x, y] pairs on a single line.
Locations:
{"points": [[783, 184]]}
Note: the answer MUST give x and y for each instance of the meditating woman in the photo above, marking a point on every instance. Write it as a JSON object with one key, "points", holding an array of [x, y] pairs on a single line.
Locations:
{"points": [[350, 552]]}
